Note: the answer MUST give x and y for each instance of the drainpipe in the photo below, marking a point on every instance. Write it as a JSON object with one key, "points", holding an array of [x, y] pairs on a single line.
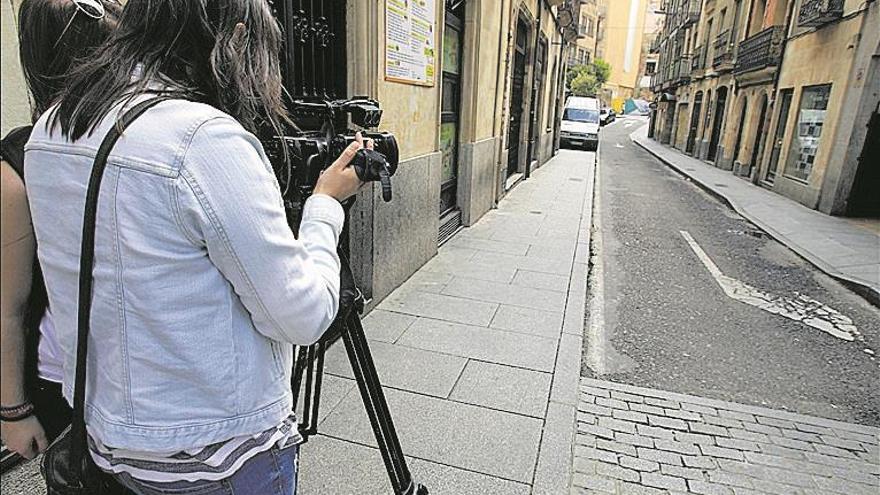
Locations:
{"points": [[788, 18], [560, 88], [503, 60], [533, 105]]}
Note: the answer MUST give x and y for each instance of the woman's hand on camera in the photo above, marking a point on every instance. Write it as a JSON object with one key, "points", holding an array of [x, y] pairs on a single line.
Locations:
{"points": [[339, 180]]}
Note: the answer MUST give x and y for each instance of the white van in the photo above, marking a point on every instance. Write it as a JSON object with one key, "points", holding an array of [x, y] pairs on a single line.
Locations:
{"points": [[580, 122]]}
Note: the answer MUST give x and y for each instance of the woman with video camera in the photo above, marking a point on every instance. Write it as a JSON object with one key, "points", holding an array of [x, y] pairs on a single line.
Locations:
{"points": [[200, 289]]}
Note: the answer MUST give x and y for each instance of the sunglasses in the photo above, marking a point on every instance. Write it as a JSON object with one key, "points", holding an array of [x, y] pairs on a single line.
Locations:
{"points": [[89, 8]]}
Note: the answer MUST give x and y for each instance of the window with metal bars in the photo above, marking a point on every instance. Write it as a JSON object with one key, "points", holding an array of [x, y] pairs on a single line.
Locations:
{"points": [[313, 58]]}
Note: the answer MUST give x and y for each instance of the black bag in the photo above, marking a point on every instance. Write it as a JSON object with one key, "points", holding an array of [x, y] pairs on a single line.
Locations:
{"points": [[67, 465]]}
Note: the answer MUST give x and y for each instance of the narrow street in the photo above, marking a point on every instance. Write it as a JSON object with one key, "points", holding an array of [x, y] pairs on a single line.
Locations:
{"points": [[667, 323]]}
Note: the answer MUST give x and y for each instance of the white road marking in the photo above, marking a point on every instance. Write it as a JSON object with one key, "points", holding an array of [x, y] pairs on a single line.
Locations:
{"points": [[628, 123], [802, 308], [618, 145]]}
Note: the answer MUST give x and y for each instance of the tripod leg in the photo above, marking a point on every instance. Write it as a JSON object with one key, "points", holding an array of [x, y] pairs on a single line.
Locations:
{"points": [[377, 408], [367, 397], [299, 366], [320, 348]]}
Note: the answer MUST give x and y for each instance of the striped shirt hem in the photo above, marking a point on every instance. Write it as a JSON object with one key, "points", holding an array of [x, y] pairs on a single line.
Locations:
{"points": [[211, 463]]}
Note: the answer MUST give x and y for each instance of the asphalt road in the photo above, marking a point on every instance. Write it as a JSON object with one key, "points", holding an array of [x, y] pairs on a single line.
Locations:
{"points": [[667, 323]]}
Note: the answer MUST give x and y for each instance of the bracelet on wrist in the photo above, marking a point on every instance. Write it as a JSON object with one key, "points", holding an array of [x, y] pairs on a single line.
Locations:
{"points": [[17, 413]]}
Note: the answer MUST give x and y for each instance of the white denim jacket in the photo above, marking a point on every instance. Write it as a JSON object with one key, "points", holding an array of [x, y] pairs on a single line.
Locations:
{"points": [[200, 288]]}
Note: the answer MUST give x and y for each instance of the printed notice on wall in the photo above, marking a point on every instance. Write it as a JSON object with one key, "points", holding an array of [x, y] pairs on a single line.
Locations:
{"points": [[409, 41]]}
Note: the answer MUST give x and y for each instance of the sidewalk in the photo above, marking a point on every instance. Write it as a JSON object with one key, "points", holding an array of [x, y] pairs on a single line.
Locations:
{"points": [[479, 354], [839, 247]]}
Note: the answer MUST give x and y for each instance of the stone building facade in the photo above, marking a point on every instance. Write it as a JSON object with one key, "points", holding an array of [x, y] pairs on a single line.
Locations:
{"points": [[584, 49], [781, 92]]}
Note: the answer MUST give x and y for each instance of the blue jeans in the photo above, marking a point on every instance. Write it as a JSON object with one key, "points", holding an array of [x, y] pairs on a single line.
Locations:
{"points": [[273, 472]]}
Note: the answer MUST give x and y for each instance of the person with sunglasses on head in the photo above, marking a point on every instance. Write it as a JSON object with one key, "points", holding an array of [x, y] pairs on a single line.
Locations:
{"points": [[200, 289], [53, 36]]}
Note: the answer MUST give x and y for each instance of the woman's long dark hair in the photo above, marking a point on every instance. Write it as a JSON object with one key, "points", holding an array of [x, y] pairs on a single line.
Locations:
{"points": [[220, 52], [53, 37]]}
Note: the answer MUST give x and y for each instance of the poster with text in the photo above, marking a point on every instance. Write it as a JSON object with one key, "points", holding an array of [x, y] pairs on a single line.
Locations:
{"points": [[409, 41]]}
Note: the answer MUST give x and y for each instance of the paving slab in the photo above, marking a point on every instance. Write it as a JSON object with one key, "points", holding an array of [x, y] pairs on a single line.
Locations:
{"points": [[333, 390], [485, 344], [819, 238], [553, 266], [386, 326], [528, 321], [484, 440], [505, 388], [471, 269], [495, 292], [705, 458], [402, 367], [553, 472], [359, 469], [443, 307], [538, 280]]}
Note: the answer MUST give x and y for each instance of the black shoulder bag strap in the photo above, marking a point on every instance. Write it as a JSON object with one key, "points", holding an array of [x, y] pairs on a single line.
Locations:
{"points": [[78, 443]]}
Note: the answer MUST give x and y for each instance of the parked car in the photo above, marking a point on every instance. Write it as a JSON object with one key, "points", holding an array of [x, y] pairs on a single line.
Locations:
{"points": [[607, 116], [580, 122]]}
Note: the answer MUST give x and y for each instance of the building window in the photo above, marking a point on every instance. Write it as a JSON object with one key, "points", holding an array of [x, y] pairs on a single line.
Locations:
{"points": [[807, 134], [590, 28]]}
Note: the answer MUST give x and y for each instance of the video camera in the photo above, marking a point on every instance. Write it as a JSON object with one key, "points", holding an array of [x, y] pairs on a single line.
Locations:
{"points": [[300, 157]]}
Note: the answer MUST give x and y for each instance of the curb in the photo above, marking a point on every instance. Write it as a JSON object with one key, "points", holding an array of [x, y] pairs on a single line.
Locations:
{"points": [[870, 294], [554, 468]]}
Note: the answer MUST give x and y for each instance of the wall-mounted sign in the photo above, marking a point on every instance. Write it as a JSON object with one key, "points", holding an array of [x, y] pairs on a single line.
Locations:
{"points": [[409, 41]]}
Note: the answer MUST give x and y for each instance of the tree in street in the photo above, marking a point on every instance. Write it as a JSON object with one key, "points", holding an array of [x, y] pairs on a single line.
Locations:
{"points": [[587, 79]]}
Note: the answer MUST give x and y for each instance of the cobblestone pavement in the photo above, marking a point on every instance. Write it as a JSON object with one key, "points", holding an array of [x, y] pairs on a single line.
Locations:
{"points": [[644, 441]]}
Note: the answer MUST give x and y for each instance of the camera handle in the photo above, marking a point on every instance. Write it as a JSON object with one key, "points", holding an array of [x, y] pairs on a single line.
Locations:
{"points": [[309, 364], [370, 165]]}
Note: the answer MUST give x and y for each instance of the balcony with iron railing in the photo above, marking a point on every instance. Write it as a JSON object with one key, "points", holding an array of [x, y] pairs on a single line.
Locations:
{"points": [[723, 59], [818, 12], [760, 51], [681, 73], [656, 80], [690, 12], [698, 61]]}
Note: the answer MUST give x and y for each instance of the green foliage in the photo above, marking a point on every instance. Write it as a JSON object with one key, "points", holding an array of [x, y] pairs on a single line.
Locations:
{"points": [[584, 84], [586, 80], [602, 69]]}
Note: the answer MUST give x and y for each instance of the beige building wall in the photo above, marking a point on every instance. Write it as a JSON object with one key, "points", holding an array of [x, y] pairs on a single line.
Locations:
{"points": [[623, 29], [816, 58], [486, 19], [406, 104], [13, 93]]}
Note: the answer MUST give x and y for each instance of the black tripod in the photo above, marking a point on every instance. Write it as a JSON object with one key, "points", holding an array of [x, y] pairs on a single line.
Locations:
{"points": [[309, 362]]}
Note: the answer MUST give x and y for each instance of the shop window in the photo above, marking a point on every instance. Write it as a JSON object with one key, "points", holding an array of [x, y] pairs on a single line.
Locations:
{"points": [[808, 132]]}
